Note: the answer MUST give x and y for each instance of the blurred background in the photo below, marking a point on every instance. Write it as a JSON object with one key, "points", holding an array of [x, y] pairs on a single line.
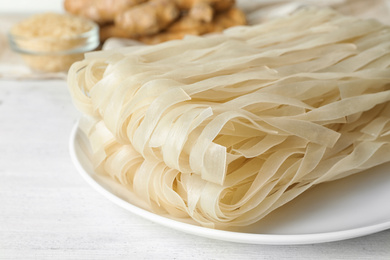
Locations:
{"points": [[28, 6]]}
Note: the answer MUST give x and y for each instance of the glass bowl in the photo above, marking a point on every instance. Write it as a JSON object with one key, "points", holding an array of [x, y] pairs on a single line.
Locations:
{"points": [[55, 53]]}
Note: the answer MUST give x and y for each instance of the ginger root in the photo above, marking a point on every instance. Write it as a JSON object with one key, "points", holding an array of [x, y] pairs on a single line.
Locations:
{"points": [[217, 5], [100, 11], [110, 30], [147, 18], [154, 21], [190, 26], [202, 12]]}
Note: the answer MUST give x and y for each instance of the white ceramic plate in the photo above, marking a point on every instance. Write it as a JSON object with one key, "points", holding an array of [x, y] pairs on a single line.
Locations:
{"points": [[351, 207]]}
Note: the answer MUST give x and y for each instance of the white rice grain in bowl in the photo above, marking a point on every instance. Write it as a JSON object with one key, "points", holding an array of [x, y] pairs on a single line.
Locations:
{"points": [[52, 42]]}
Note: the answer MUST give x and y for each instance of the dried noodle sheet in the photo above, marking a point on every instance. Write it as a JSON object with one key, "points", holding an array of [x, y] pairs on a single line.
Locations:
{"points": [[227, 128]]}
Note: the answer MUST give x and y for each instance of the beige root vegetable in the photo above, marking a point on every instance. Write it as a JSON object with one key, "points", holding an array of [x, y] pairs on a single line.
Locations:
{"points": [[218, 5], [148, 18], [190, 26], [154, 21], [229, 18], [100, 11], [110, 30], [179, 29], [202, 12]]}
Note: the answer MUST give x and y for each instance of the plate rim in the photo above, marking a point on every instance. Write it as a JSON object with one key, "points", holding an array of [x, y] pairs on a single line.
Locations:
{"points": [[229, 236]]}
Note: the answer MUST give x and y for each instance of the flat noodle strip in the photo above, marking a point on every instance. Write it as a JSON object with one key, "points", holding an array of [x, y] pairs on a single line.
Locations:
{"points": [[225, 129]]}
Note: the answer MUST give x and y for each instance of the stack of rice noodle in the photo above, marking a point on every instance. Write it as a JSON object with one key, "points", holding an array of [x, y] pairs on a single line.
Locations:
{"points": [[226, 128]]}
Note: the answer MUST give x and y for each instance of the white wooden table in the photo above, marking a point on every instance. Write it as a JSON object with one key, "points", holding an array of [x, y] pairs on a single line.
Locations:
{"points": [[47, 211]]}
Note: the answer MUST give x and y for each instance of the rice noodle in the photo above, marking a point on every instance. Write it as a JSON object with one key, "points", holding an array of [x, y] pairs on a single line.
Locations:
{"points": [[224, 129]]}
